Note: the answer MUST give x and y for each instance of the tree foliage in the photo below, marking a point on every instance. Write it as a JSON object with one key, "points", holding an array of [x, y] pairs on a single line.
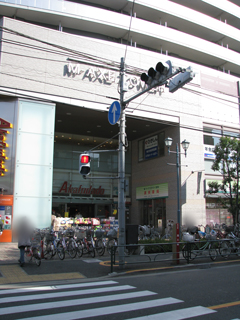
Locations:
{"points": [[227, 162]]}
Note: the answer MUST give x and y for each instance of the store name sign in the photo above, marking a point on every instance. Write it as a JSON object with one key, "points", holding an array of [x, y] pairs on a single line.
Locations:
{"points": [[209, 152], [152, 191], [107, 77], [151, 147], [68, 188]]}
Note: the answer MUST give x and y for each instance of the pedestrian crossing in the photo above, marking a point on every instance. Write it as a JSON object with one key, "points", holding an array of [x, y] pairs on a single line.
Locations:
{"points": [[91, 300]]}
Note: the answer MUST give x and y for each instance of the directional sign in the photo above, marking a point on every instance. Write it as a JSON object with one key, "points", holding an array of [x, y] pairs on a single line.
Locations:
{"points": [[114, 112]]}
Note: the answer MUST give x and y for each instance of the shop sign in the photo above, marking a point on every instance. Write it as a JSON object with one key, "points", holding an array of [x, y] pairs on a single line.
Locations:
{"points": [[152, 192], [107, 77], [151, 147], [68, 188], [209, 152]]}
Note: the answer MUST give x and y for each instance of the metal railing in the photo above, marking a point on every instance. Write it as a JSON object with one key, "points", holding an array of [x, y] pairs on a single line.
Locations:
{"points": [[173, 253]]}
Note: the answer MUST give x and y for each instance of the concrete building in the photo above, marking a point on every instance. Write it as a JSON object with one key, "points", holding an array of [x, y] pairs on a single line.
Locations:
{"points": [[59, 74]]}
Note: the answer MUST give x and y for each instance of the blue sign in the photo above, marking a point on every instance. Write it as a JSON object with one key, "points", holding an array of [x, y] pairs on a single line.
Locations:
{"points": [[114, 112], [151, 153]]}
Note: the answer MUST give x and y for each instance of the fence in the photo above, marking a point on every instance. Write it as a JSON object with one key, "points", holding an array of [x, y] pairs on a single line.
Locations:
{"points": [[173, 253]]}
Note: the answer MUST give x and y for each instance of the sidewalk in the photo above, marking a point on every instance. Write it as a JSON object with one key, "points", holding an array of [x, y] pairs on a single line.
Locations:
{"points": [[87, 267]]}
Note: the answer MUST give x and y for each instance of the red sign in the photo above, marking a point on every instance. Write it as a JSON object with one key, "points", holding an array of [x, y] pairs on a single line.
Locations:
{"points": [[68, 188]]}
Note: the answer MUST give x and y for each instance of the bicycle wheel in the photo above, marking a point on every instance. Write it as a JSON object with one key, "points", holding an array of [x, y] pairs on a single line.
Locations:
{"points": [[110, 244], [91, 250], [60, 251], [54, 247], [37, 256], [224, 249], [84, 247], [100, 248], [72, 249], [47, 250], [79, 248], [27, 254], [213, 250], [190, 251]]}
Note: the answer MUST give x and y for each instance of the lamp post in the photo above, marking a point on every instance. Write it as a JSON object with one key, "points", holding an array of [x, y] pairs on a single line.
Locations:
{"points": [[185, 145]]}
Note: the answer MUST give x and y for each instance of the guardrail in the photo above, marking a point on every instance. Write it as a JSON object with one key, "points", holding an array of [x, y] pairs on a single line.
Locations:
{"points": [[177, 252]]}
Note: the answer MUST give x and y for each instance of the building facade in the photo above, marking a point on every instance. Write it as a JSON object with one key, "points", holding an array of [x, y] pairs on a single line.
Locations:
{"points": [[60, 65]]}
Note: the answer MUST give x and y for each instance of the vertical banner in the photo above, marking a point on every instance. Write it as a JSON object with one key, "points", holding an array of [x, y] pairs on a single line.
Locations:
{"points": [[199, 177]]}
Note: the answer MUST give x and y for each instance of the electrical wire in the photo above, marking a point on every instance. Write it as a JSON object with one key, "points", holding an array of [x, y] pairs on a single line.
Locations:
{"points": [[129, 29], [85, 58]]}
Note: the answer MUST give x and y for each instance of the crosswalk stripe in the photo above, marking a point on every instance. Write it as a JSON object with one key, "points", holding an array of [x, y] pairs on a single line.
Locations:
{"points": [[64, 294], [74, 302], [81, 314], [57, 287], [179, 314]]}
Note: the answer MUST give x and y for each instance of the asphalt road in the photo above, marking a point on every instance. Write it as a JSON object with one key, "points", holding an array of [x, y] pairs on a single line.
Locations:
{"points": [[208, 293]]}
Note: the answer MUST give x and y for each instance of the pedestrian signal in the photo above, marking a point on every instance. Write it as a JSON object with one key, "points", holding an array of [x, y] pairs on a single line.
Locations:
{"points": [[84, 164]]}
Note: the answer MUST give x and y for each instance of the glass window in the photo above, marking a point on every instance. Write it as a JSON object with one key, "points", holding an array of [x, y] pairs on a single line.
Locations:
{"points": [[212, 130], [210, 140], [231, 134], [208, 167]]}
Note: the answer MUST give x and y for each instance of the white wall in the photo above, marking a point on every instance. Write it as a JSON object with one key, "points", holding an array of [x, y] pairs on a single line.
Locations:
{"points": [[34, 162]]}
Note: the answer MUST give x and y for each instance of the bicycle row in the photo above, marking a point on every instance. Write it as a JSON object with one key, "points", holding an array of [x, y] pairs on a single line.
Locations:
{"points": [[77, 242], [213, 244]]}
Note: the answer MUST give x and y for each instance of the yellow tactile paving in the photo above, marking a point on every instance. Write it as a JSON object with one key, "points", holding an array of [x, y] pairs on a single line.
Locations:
{"points": [[15, 274]]}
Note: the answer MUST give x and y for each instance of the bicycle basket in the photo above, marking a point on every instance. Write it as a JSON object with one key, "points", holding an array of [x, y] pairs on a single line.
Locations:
{"points": [[80, 233], [211, 237], [112, 233], [69, 233], [99, 233], [188, 237]]}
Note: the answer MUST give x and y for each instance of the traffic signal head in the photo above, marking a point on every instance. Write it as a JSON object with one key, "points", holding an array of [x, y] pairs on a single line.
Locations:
{"points": [[181, 79], [84, 164], [162, 70]]}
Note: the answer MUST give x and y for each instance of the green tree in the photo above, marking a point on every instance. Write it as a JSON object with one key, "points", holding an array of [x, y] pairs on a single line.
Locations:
{"points": [[227, 162]]}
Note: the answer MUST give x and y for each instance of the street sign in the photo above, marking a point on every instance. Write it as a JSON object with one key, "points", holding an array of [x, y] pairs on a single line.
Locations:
{"points": [[114, 112]]}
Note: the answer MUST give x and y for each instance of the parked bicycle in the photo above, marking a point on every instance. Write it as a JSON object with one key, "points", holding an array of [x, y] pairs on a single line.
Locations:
{"points": [[198, 248], [33, 253], [88, 244], [51, 245], [67, 242], [112, 240], [99, 241]]}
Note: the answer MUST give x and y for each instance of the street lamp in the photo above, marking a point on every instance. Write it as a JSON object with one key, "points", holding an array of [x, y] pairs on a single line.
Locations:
{"points": [[185, 145]]}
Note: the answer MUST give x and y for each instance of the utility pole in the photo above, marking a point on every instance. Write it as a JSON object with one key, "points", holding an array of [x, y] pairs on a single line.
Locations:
{"points": [[121, 170], [158, 77]]}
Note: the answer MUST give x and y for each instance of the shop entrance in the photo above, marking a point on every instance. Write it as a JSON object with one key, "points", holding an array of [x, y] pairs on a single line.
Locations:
{"points": [[154, 213]]}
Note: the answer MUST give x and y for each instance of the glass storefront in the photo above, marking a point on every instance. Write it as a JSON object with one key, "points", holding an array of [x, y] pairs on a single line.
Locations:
{"points": [[90, 197], [154, 213]]}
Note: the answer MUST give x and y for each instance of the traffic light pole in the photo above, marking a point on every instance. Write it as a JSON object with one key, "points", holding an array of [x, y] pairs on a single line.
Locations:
{"points": [[121, 171], [180, 80]]}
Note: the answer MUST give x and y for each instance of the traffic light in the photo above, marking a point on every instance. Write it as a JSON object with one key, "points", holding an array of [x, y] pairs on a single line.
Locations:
{"points": [[181, 79], [162, 71], [84, 164]]}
